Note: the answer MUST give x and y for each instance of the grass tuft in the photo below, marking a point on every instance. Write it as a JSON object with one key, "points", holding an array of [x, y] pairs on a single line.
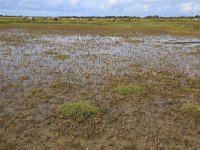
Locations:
{"points": [[135, 41], [60, 57], [34, 90], [191, 90], [23, 78], [191, 109], [128, 89], [79, 109], [38, 92]]}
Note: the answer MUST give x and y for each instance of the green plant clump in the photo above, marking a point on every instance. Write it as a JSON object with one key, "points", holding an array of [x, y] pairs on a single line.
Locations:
{"points": [[79, 109], [128, 89]]}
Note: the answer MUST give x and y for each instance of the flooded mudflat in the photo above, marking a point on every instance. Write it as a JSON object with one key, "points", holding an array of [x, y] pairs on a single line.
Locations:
{"points": [[141, 83]]}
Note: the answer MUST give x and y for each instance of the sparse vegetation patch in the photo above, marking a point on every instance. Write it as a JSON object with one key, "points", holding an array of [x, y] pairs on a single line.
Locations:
{"points": [[56, 55]]}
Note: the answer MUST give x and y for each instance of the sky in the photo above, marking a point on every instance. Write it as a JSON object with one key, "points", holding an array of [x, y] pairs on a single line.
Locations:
{"points": [[100, 7]]}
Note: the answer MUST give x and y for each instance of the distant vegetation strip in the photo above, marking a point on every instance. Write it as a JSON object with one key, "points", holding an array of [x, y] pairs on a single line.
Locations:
{"points": [[165, 25]]}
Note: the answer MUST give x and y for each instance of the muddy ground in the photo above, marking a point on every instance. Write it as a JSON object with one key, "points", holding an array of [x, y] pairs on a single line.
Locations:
{"points": [[88, 67]]}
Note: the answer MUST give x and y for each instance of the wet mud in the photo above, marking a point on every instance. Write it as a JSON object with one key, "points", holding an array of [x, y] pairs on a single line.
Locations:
{"points": [[40, 72]]}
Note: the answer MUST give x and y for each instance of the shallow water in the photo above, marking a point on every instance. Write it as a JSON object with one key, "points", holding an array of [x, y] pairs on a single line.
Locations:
{"points": [[94, 55]]}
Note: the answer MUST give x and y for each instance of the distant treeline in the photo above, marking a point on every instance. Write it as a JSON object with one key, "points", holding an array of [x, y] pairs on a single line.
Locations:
{"points": [[106, 17]]}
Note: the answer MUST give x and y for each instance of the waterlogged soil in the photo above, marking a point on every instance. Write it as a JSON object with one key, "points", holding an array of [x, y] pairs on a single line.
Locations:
{"points": [[73, 67]]}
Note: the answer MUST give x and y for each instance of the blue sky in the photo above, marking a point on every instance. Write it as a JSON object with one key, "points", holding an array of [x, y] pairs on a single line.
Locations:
{"points": [[100, 7]]}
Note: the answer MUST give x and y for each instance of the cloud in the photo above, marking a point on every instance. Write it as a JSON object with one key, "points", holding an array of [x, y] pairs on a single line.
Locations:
{"points": [[145, 7], [100, 7], [189, 7], [114, 2], [75, 2]]}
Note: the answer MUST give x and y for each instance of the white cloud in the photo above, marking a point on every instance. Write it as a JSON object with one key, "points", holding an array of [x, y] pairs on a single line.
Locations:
{"points": [[188, 7], [114, 2], [75, 2], [145, 7]]}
